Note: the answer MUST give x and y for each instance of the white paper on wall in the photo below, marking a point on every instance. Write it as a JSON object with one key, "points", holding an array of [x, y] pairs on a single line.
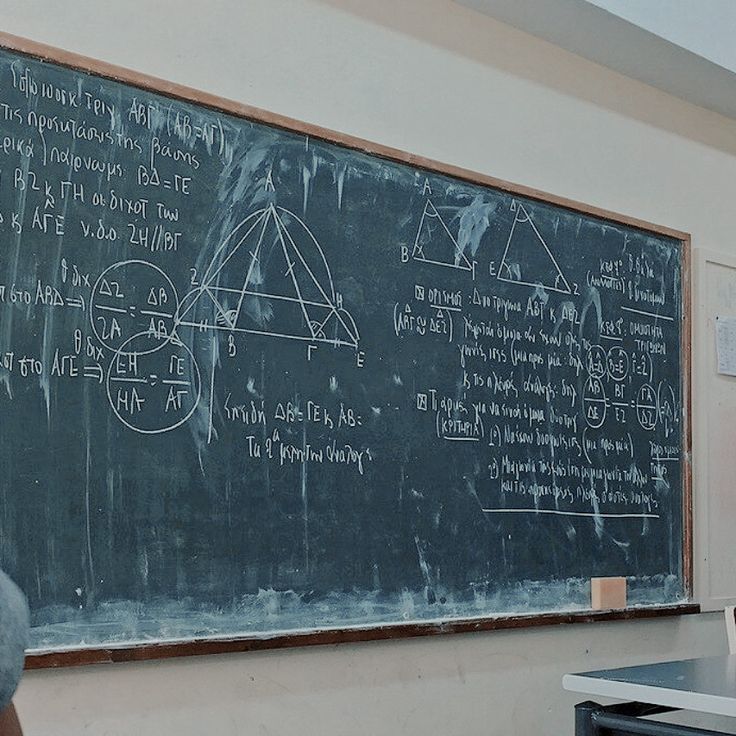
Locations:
{"points": [[726, 345]]}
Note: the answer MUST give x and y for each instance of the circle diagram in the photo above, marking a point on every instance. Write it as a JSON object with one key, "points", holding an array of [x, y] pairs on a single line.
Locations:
{"points": [[667, 408], [646, 407], [618, 363], [595, 361], [594, 402], [130, 298], [153, 389]]}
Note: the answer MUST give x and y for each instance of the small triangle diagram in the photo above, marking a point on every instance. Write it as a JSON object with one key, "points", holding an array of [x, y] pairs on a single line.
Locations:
{"points": [[528, 260], [436, 244]]}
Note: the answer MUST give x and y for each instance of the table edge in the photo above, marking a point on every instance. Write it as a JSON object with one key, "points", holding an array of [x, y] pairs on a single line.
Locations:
{"points": [[651, 694]]}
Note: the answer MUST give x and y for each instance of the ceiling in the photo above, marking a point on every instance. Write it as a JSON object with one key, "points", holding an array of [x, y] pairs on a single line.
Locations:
{"points": [[684, 47]]}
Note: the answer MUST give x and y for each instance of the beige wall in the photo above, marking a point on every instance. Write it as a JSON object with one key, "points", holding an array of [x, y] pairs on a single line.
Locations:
{"points": [[497, 684], [441, 81]]}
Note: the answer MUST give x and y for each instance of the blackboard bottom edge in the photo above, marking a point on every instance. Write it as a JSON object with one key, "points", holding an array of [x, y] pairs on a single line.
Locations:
{"points": [[165, 650]]}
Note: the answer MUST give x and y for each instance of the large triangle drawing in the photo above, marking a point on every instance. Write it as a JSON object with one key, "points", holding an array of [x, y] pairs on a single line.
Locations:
{"points": [[270, 277], [527, 259], [435, 243]]}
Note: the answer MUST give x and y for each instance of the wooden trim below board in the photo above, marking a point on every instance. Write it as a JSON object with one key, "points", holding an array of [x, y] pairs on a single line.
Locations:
{"points": [[213, 646], [164, 650]]}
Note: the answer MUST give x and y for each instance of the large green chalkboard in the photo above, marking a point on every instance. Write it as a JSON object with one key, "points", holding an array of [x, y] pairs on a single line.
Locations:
{"points": [[253, 381]]}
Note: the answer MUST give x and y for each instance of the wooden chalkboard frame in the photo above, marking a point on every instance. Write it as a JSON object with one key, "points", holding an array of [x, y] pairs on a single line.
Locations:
{"points": [[139, 652]]}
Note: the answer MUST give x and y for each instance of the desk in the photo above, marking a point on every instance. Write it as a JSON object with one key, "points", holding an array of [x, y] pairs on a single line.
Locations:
{"points": [[706, 685]]}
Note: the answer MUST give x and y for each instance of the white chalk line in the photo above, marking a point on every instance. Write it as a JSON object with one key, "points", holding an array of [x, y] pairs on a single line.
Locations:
{"points": [[648, 314], [589, 514]]}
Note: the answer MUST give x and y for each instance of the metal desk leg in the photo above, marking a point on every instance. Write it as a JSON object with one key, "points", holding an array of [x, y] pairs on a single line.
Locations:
{"points": [[584, 725], [624, 719]]}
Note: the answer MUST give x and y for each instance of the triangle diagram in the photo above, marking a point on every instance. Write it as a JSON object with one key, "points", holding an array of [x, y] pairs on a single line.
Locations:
{"points": [[270, 277], [527, 259], [435, 243]]}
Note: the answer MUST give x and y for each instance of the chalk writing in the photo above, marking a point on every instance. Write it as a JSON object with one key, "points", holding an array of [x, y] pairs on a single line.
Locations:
{"points": [[235, 360]]}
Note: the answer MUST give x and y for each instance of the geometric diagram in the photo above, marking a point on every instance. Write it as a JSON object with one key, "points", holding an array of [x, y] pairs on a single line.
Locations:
{"points": [[270, 277], [618, 363], [153, 386], [595, 361], [646, 407], [594, 402], [527, 259], [131, 297], [435, 243]]}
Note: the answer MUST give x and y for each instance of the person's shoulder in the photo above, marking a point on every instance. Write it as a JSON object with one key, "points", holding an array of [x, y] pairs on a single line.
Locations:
{"points": [[14, 630]]}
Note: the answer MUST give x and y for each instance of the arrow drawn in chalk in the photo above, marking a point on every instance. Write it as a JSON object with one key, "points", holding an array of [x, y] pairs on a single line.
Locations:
{"points": [[93, 371]]}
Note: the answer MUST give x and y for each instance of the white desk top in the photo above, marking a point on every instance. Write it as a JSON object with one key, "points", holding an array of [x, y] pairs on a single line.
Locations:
{"points": [[707, 685]]}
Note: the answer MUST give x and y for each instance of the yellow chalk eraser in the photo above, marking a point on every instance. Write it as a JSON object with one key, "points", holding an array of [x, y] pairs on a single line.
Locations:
{"points": [[607, 593]]}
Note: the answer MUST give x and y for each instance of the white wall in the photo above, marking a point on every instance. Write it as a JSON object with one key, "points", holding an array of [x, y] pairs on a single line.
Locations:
{"points": [[440, 80]]}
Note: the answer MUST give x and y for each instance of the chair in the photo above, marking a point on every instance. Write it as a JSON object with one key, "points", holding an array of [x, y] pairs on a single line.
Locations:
{"points": [[730, 613]]}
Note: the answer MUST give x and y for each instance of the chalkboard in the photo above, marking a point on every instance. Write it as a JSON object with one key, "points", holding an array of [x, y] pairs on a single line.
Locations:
{"points": [[255, 381]]}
